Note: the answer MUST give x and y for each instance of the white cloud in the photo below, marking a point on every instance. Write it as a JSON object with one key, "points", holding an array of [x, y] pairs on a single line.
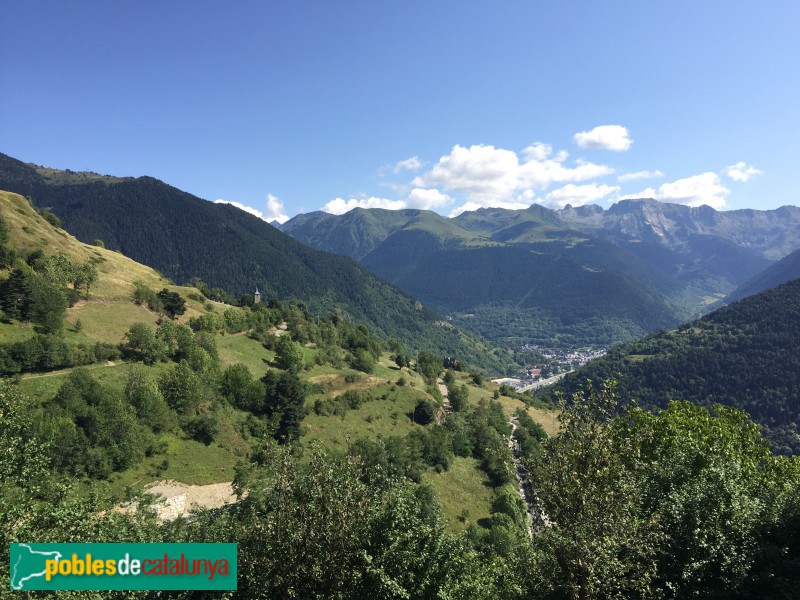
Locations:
{"points": [[424, 199], [578, 195], [606, 137], [339, 206], [427, 199], [491, 176], [697, 190], [275, 210], [409, 164], [480, 171], [537, 151], [639, 175], [741, 172]]}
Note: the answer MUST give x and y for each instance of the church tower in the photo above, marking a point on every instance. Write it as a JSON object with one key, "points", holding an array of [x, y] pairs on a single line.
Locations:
{"points": [[257, 297]]}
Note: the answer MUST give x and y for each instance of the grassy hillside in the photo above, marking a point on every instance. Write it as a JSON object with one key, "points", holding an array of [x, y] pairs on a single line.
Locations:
{"points": [[110, 310], [28, 231], [388, 394]]}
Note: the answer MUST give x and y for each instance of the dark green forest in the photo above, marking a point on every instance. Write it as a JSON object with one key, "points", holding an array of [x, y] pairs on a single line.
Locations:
{"points": [[745, 355]]}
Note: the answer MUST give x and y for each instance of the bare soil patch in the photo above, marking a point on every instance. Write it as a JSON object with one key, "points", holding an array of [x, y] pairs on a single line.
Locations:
{"points": [[179, 498]]}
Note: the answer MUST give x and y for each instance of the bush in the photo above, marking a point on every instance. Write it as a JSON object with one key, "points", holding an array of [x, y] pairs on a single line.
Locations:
{"points": [[203, 428], [147, 297], [424, 412], [50, 218], [362, 360]]}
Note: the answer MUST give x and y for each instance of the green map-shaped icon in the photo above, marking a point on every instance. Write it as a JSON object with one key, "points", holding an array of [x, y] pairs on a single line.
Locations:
{"points": [[27, 564]]}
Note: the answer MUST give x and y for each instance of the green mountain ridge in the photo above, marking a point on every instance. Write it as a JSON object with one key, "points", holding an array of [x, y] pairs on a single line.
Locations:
{"points": [[360, 231], [512, 276], [745, 355], [574, 276], [784, 270]]}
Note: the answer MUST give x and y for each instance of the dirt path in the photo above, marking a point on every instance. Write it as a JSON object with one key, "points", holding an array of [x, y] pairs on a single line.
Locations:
{"points": [[105, 365], [537, 518], [445, 395]]}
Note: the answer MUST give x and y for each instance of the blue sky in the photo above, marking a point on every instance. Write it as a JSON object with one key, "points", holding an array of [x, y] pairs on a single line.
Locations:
{"points": [[289, 107]]}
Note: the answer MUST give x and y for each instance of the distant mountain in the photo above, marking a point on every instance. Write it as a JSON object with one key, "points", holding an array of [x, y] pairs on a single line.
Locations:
{"points": [[694, 255], [513, 276], [186, 237], [784, 270], [533, 224], [360, 231], [745, 355], [771, 234], [570, 277]]}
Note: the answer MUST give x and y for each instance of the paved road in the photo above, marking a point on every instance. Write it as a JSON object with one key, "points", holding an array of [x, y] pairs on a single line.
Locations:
{"points": [[542, 383]]}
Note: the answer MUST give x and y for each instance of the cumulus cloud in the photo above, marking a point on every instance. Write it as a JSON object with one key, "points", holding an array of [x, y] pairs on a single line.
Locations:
{"points": [[339, 206], [421, 198], [697, 190], [639, 175], [427, 199], [409, 164], [578, 195], [274, 209], [605, 137], [741, 172], [492, 176]]}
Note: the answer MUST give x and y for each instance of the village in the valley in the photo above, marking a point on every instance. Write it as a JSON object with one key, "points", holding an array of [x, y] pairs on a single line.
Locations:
{"points": [[558, 362]]}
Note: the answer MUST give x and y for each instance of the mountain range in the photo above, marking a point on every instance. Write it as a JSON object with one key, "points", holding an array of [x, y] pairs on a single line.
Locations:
{"points": [[573, 276]]}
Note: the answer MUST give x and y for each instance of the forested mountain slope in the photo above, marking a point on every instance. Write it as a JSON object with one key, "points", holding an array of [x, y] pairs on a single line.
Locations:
{"points": [[511, 276], [745, 355], [784, 270], [564, 277]]}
